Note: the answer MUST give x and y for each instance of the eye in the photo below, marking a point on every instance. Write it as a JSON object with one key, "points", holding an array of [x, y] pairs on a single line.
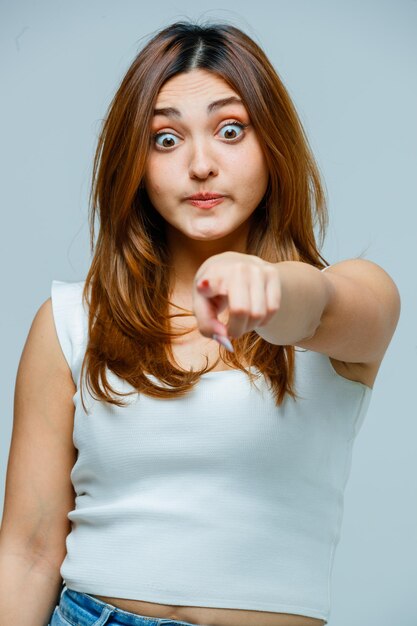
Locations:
{"points": [[156, 136], [233, 123], [168, 139]]}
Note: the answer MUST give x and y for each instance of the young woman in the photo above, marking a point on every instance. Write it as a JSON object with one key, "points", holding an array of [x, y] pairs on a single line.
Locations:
{"points": [[184, 417]]}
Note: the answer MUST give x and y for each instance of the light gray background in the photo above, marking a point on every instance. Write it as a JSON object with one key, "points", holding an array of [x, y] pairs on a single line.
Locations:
{"points": [[351, 69]]}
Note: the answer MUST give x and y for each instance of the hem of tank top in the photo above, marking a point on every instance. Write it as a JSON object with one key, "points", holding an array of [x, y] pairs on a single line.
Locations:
{"points": [[278, 607]]}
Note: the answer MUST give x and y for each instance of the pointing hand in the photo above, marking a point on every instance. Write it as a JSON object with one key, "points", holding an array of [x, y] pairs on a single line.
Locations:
{"points": [[245, 284]]}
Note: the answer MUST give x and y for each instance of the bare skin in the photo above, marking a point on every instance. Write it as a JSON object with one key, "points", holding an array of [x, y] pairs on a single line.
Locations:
{"points": [[203, 616]]}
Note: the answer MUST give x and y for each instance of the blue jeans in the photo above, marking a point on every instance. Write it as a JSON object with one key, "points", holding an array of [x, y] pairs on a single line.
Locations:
{"points": [[80, 609]]}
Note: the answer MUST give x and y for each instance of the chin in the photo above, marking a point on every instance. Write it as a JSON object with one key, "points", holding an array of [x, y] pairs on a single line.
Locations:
{"points": [[207, 236]]}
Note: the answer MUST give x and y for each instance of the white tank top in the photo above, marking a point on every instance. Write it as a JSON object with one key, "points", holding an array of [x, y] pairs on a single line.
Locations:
{"points": [[217, 499]]}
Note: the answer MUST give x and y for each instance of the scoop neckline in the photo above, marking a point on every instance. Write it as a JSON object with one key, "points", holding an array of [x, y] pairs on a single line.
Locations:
{"points": [[229, 371]]}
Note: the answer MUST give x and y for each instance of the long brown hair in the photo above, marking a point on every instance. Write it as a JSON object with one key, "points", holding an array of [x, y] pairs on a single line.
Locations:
{"points": [[127, 288]]}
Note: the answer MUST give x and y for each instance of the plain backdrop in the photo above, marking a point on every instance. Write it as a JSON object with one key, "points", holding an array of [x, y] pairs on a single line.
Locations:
{"points": [[351, 70]]}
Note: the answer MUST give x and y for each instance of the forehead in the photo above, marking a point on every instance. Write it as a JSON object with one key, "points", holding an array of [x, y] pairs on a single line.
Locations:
{"points": [[197, 84]]}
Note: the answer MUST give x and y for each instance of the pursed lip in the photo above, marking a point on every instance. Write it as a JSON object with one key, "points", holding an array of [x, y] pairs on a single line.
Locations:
{"points": [[205, 196]]}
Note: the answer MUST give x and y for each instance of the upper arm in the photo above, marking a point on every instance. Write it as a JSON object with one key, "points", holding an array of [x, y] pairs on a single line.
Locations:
{"points": [[361, 315], [39, 492]]}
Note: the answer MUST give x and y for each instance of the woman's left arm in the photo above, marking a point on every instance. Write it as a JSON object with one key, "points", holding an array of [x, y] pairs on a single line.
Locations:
{"points": [[353, 308]]}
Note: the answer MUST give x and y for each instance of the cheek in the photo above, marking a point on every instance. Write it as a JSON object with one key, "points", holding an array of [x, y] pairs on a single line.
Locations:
{"points": [[262, 172], [160, 175], [252, 162], [153, 179], [256, 176]]}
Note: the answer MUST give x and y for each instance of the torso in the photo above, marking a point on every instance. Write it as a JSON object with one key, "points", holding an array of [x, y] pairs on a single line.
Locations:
{"points": [[190, 351]]}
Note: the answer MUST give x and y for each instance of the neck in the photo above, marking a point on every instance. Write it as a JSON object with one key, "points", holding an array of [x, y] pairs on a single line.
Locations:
{"points": [[187, 255]]}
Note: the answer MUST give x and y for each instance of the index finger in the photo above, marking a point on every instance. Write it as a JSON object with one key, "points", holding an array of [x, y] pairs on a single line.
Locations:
{"points": [[206, 308]]}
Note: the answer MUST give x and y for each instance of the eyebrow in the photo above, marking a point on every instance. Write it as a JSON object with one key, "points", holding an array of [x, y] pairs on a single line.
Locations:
{"points": [[213, 106]]}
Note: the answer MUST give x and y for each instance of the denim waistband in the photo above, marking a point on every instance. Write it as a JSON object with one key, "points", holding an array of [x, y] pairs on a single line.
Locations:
{"points": [[80, 608]]}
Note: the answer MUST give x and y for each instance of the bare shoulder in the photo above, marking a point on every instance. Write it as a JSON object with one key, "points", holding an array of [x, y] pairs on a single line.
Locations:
{"points": [[362, 313], [377, 279], [43, 369], [39, 492]]}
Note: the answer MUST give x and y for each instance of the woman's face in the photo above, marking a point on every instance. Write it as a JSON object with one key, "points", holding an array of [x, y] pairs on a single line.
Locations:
{"points": [[200, 147]]}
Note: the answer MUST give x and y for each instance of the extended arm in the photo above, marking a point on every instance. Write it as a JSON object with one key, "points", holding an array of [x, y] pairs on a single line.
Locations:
{"points": [[348, 312]]}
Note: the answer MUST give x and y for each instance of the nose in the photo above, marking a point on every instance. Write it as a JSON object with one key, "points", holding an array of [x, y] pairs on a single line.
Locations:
{"points": [[202, 161]]}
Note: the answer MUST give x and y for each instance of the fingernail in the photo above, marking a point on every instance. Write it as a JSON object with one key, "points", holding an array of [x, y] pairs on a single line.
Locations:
{"points": [[224, 341]]}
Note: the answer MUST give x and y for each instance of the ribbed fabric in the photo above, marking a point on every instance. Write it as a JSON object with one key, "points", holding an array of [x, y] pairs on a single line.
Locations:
{"points": [[217, 499]]}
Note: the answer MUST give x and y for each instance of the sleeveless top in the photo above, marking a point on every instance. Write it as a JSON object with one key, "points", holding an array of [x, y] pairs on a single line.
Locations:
{"points": [[216, 499]]}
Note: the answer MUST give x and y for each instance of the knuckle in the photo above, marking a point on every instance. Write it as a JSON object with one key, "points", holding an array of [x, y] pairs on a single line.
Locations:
{"points": [[239, 311], [272, 309]]}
